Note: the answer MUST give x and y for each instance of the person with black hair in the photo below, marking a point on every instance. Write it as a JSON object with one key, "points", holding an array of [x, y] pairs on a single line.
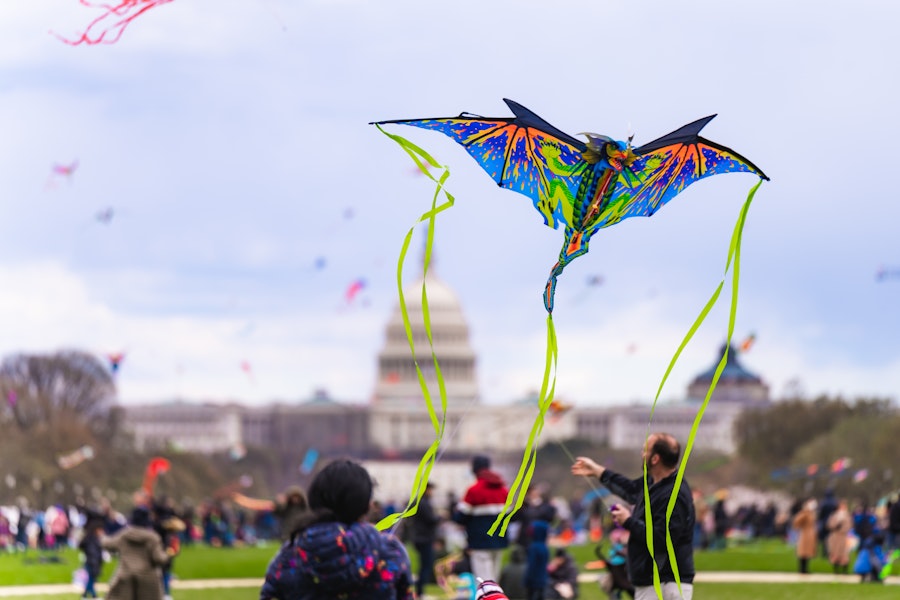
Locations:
{"points": [[333, 552], [660, 455], [141, 556], [481, 505]]}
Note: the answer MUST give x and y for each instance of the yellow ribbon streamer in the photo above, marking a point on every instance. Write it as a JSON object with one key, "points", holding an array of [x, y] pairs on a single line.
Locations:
{"points": [[734, 254], [427, 462]]}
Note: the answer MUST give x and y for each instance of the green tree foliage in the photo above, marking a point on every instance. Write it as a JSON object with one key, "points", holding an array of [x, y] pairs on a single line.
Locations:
{"points": [[796, 433]]}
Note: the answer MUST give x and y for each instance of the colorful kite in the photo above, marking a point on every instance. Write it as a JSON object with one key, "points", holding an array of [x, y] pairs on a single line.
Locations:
{"points": [[75, 458], [156, 467], [106, 215], [112, 22], [115, 361], [353, 289], [748, 343], [887, 273], [584, 186]]}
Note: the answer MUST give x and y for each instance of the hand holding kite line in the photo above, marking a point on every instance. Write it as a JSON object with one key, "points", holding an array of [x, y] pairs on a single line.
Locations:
{"points": [[114, 20]]}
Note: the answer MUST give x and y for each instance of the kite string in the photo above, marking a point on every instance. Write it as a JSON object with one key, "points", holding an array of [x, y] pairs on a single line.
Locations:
{"points": [[734, 254], [428, 460]]}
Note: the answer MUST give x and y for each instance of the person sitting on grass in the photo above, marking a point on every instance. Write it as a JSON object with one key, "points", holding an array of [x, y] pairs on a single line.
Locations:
{"points": [[333, 552]]}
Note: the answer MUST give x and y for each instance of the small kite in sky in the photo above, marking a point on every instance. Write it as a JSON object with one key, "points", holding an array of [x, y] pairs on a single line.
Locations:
{"points": [[58, 171], [247, 368], [115, 361], [108, 27], [106, 215], [747, 343], [354, 289], [887, 273]]}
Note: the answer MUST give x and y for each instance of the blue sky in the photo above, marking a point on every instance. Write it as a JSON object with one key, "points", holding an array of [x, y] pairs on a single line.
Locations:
{"points": [[231, 139]]}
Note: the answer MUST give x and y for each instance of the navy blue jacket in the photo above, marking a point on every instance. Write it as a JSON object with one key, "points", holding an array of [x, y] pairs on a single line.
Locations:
{"points": [[538, 557], [329, 561]]}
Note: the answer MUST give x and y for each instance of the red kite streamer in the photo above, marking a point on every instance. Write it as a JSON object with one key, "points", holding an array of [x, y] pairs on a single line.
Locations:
{"points": [[155, 467], [113, 22]]}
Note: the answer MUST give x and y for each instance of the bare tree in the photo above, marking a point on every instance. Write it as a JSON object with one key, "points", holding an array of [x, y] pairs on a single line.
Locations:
{"points": [[49, 390]]}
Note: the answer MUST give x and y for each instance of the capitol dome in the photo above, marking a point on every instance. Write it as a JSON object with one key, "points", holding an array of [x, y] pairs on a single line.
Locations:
{"points": [[397, 380]]}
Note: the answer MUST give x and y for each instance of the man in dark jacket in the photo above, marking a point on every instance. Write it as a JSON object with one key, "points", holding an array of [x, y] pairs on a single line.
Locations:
{"points": [[660, 455], [424, 526], [480, 507]]}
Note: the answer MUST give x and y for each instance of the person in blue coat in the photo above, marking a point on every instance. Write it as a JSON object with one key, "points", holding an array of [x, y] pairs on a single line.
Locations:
{"points": [[538, 558]]}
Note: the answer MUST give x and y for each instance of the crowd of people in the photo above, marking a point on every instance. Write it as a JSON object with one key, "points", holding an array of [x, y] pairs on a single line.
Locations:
{"points": [[329, 545]]}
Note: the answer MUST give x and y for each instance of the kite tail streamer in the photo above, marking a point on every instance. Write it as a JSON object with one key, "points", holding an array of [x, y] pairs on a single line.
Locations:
{"points": [[516, 496], [423, 472], [734, 254]]}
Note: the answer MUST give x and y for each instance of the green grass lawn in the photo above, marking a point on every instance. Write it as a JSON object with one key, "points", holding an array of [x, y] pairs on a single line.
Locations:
{"points": [[200, 562]]}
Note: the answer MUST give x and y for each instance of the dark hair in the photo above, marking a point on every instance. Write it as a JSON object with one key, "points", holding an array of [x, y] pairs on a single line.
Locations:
{"points": [[667, 448], [140, 517], [342, 491]]}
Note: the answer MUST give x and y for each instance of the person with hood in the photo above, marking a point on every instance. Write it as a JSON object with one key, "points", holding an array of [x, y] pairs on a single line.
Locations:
{"points": [[538, 559], [93, 555], [512, 576], [334, 552], [482, 503], [807, 534], [141, 556]]}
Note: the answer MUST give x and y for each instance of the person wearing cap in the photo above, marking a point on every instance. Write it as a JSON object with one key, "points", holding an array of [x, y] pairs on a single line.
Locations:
{"points": [[482, 503], [141, 556], [424, 528], [334, 552]]}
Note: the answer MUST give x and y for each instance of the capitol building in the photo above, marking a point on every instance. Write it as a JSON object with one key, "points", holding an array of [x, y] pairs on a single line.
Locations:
{"points": [[392, 431]]}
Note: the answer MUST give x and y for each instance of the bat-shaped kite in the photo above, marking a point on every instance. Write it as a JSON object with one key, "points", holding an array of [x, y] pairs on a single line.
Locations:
{"points": [[585, 185]]}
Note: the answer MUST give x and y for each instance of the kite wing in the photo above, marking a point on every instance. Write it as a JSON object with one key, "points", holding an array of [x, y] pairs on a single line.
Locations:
{"points": [[524, 154], [665, 167]]}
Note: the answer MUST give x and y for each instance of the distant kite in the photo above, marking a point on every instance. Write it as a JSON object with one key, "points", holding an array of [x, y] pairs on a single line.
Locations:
{"points": [[75, 458], [748, 342], [106, 215], [355, 288], [155, 468], [112, 22], [887, 273], [60, 170], [115, 361]]}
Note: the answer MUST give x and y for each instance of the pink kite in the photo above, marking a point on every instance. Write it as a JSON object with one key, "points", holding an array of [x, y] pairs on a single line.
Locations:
{"points": [[355, 288], [112, 22]]}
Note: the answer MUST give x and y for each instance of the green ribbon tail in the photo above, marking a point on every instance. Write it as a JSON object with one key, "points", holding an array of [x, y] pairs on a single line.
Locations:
{"points": [[734, 256], [427, 462], [516, 496]]}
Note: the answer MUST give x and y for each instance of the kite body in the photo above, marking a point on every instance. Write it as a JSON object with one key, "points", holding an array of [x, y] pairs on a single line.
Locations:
{"points": [[585, 186]]}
